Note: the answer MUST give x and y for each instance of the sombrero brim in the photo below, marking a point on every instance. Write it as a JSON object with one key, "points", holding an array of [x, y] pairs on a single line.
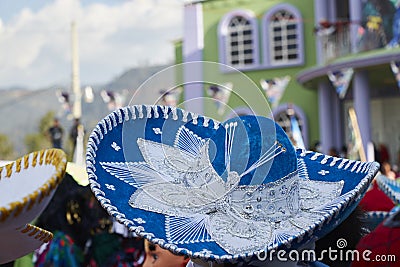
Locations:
{"points": [[21, 241], [26, 187], [373, 218], [390, 187], [108, 169]]}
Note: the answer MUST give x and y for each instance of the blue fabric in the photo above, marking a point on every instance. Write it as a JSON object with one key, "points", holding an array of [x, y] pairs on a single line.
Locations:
{"points": [[253, 137], [317, 264]]}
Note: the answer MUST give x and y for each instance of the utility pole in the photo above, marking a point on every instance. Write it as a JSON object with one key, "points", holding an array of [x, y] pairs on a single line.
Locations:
{"points": [[77, 168], [78, 156], [76, 87]]}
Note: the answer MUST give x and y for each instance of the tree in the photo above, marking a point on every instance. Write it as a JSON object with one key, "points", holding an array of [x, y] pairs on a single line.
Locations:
{"points": [[39, 140], [46, 122], [6, 148], [35, 142]]}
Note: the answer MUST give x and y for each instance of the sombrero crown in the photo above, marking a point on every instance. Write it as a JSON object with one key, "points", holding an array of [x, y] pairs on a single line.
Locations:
{"points": [[217, 191]]}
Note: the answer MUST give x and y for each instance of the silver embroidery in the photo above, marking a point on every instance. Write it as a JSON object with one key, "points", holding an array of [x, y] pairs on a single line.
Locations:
{"points": [[114, 121], [140, 111], [323, 172], [194, 117], [165, 111], [179, 180], [119, 113], [184, 115], [110, 187], [115, 146], [157, 131], [126, 114], [139, 220], [155, 110], [133, 112], [148, 111]]}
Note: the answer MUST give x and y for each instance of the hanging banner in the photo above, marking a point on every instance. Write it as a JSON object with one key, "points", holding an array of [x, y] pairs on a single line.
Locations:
{"points": [[341, 80], [64, 99], [109, 98], [88, 94], [296, 132], [274, 88], [113, 99], [394, 65], [170, 97], [221, 95], [358, 147]]}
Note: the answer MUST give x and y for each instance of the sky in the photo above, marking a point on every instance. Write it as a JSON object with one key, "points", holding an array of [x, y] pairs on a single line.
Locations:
{"points": [[113, 36]]}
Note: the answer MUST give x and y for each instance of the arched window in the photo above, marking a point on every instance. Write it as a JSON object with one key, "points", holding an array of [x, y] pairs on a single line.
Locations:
{"points": [[238, 39], [282, 30], [293, 121]]}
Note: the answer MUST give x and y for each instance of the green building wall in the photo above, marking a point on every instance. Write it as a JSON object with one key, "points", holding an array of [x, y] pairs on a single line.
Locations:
{"points": [[307, 100]]}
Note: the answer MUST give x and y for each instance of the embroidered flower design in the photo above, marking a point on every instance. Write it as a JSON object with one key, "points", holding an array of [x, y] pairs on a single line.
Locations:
{"points": [[115, 146], [180, 182], [139, 220], [323, 172], [157, 131], [205, 251], [110, 187]]}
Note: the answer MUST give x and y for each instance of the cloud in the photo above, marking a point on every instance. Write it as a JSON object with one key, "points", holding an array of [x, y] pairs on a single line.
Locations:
{"points": [[36, 45]]}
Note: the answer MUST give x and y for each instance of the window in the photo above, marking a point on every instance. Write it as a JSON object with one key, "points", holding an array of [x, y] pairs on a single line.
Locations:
{"points": [[283, 36], [238, 39], [282, 29], [293, 121], [239, 45]]}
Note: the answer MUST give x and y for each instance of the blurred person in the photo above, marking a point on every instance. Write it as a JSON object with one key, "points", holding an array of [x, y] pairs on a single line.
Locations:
{"points": [[74, 132], [56, 133], [158, 257], [386, 169], [333, 152], [383, 153], [343, 152], [317, 147]]}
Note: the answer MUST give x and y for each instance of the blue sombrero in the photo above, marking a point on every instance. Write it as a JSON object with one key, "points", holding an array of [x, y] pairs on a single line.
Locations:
{"points": [[218, 191], [390, 187], [373, 218]]}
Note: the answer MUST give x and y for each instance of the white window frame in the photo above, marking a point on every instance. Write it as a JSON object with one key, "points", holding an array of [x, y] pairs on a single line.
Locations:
{"points": [[224, 40], [268, 37]]}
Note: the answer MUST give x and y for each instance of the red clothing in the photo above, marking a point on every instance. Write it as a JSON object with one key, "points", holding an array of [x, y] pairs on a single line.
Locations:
{"points": [[384, 244], [376, 200]]}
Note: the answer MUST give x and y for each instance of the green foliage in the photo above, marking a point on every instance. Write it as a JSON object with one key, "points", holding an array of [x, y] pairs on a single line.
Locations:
{"points": [[6, 148], [46, 122], [35, 142], [39, 140]]}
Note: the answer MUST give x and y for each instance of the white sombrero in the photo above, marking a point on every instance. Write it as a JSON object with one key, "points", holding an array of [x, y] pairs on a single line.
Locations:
{"points": [[26, 187], [218, 191]]}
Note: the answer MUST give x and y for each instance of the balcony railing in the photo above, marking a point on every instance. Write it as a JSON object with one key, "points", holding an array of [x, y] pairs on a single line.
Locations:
{"points": [[336, 40]]}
